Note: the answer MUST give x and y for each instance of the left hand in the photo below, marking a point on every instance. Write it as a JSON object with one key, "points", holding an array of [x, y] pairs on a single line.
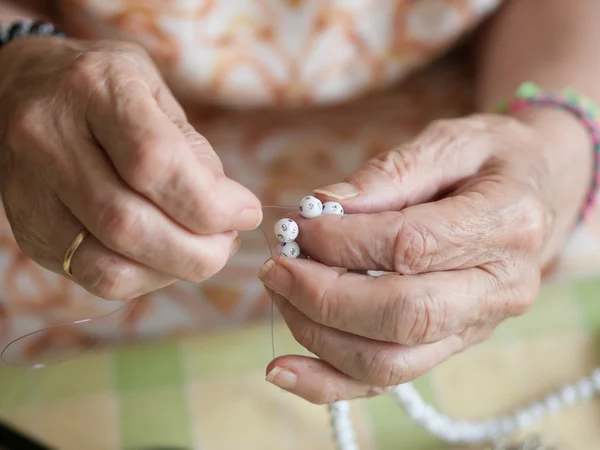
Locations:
{"points": [[462, 215]]}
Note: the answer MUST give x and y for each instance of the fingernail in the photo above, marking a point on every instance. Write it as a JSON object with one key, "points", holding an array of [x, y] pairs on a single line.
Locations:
{"points": [[265, 268], [375, 391], [235, 246], [340, 191], [280, 280], [282, 378], [250, 217]]}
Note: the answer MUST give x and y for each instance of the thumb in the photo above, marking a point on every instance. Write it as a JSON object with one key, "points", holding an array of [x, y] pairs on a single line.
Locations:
{"points": [[445, 153]]}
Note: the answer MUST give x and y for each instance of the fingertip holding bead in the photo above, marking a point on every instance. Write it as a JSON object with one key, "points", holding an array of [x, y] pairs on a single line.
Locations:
{"points": [[333, 208], [286, 230], [290, 249], [310, 207]]}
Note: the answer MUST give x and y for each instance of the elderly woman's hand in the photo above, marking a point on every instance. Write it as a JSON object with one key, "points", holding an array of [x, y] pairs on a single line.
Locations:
{"points": [[462, 215], [90, 137]]}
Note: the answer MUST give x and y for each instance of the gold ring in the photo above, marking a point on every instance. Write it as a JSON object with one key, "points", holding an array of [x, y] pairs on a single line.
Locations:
{"points": [[71, 251]]}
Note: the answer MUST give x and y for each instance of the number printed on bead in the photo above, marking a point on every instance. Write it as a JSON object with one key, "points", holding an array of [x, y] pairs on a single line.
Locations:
{"points": [[310, 207], [333, 208], [290, 249], [286, 230]]}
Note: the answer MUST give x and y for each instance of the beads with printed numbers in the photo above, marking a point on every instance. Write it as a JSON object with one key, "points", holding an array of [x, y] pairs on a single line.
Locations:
{"points": [[310, 207], [290, 249], [286, 230], [333, 208]]}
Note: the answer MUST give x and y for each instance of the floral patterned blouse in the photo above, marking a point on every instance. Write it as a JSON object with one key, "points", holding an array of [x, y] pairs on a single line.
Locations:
{"points": [[281, 52]]}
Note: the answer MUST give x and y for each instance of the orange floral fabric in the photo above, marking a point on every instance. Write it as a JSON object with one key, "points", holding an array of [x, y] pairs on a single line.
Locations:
{"points": [[281, 52]]}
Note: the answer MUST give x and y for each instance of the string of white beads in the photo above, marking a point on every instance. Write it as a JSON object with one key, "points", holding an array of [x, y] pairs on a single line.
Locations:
{"points": [[341, 425], [286, 230]]}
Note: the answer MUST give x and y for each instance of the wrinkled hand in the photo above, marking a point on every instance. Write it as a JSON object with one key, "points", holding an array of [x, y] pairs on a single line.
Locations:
{"points": [[461, 215], [90, 137]]}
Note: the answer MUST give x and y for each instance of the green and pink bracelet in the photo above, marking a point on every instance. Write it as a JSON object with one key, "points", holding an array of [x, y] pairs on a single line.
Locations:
{"points": [[531, 95]]}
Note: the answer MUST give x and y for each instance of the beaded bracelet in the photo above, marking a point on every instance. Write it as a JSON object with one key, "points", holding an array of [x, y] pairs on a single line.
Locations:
{"points": [[23, 28], [531, 95]]}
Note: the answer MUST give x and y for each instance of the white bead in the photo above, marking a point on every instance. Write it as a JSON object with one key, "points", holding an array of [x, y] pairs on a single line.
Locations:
{"points": [[508, 425], [538, 411], [524, 418], [436, 426], [290, 249], [286, 230], [310, 207], [493, 429], [596, 378], [333, 208], [473, 433], [419, 411], [568, 395], [585, 388], [553, 403]]}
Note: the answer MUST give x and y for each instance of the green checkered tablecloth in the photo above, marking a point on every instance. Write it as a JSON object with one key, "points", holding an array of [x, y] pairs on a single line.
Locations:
{"points": [[209, 392]]}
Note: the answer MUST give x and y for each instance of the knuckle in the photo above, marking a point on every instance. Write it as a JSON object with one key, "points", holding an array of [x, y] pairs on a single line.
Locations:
{"points": [[197, 141], [201, 267], [318, 304], [445, 127], [396, 165], [459, 126], [109, 281], [534, 223], [86, 68], [425, 321], [322, 307], [307, 335], [417, 320], [121, 227], [524, 293], [413, 248], [126, 47], [387, 369], [25, 122], [147, 166], [521, 303]]}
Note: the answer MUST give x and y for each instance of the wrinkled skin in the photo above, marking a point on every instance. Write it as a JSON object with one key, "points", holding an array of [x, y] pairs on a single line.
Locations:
{"points": [[461, 214], [90, 137]]}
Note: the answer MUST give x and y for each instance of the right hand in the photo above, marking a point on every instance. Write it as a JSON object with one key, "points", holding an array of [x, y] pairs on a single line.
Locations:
{"points": [[91, 137]]}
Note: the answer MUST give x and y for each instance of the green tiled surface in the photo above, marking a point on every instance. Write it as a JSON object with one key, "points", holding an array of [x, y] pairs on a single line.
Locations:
{"points": [[15, 388], [150, 395], [554, 311], [148, 366], [393, 430], [226, 353], [55, 382], [589, 302], [151, 421]]}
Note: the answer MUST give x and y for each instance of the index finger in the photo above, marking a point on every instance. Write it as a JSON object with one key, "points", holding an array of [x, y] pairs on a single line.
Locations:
{"points": [[172, 168], [478, 226]]}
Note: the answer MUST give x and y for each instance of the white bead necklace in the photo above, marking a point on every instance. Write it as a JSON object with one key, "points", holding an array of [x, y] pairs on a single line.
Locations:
{"points": [[435, 422]]}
